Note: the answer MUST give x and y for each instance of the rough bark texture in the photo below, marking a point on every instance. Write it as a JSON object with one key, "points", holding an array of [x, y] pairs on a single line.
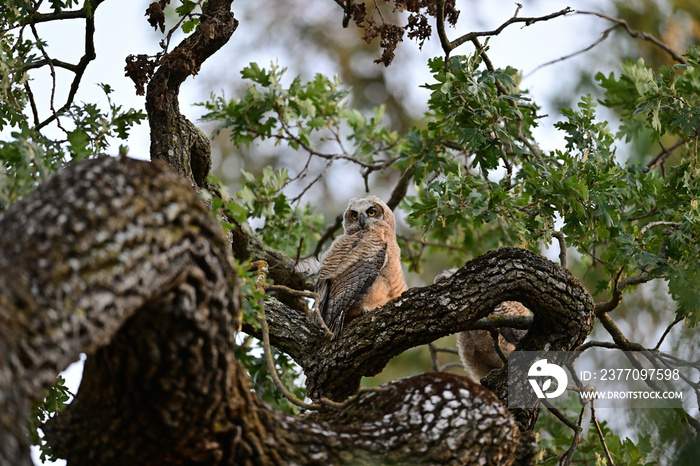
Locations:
{"points": [[79, 257], [119, 259], [173, 137]]}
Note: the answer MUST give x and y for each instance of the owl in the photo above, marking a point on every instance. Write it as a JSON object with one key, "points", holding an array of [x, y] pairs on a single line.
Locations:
{"points": [[362, 268], [475, 347]]}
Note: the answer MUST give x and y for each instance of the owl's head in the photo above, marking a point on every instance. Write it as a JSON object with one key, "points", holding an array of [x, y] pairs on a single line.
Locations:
{"points": [[365, 212]]}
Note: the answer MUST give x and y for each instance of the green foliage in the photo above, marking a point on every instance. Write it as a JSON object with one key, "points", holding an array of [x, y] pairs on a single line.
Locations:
{"points": [[555, 439], [476, 119], [269, 110], [29, 157], [94, 127], [667, 105], [301, 115], [56, 399], [250, 353], [285, 227], [604, 200], [479, 179], [468, 108], [251, 356]]}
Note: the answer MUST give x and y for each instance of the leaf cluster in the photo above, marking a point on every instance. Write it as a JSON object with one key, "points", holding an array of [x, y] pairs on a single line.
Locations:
{"points": [[57, 398], [29, 157], [555, 437], [472, 132]]}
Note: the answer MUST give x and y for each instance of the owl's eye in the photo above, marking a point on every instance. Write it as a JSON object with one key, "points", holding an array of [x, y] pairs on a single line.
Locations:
{"points": [[371, 212], [353, 215]]}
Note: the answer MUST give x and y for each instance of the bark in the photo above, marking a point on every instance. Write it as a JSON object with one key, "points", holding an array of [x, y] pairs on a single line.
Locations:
{"points": [[119, 259], [79, 257], [173, 137]]}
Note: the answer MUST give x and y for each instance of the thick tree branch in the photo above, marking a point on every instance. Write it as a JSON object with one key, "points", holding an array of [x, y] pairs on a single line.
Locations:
{"points": [[78, 257], [563, 317], [173, 137]]}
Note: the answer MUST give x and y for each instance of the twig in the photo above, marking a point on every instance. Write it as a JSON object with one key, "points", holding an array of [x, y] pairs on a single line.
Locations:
{"points": [[603, 308], [598, 344], [656, 224], [569, 454], [664, 154], [559, 235], [298, 197], [330, 231], [260, 283], [271, 364], [446, 350], [400, 189], [594, 420], [528, 22], [558, 414], [497, 346], [518, 6], [618, 337], [579, 52], [37, 18], [314, 314], [87, 57], [636, 34], [450, 365], [50, 61], [433, 356], [290, 136]]}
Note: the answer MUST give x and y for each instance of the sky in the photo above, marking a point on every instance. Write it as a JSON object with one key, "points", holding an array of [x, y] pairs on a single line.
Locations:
{"points": [[121, 29]]}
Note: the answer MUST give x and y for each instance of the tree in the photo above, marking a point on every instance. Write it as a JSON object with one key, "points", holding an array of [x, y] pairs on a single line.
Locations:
{"points": [[122, 260]]}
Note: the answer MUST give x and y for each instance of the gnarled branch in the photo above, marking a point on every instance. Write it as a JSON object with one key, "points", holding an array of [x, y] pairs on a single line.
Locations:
{"points": [[562, 308]]}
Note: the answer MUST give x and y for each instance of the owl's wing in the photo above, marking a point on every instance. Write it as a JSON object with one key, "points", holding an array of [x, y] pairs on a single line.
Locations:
{"points": [[347, 273]]}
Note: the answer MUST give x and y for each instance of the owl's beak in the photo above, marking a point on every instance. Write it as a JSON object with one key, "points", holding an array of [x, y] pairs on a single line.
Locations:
{"points": [[362, 219]]}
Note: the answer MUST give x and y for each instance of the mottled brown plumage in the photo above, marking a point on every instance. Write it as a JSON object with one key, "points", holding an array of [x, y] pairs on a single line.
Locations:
{"points": [[362, 268], [475, 347]]}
